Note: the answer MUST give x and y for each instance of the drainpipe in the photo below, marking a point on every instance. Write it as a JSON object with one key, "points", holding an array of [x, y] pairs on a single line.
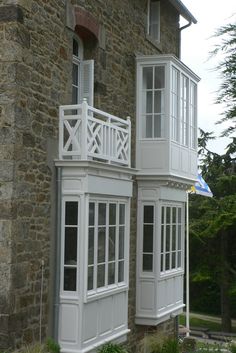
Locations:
{"points": [[181, 29], [57, 257]]}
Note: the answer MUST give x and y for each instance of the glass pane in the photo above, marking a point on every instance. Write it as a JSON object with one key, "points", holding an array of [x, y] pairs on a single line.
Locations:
{"points": [[173, 237], [173, 215], [148, 238], [71, 217], [75, 74], [101, 276], [148, 214], [112, 243], [70, 256], [90, 278], [111, 273], [101, 213], [122, 214], [163, 215], [154, 31], [173, 265], [162, 238], [179, 258], [74, 95], [91, 246], [167, 238], [167, 262], [157, 126], [154, 7], [179, 215], [149, 102], [162, 268], [121, 271], [158, 102], [121, 242], [168, 215], [91, 213], [159, 77], [147, 78], [112, 213], [148, 126], [101, 244], [147, 262], [70, 279], [75, 48], [179, 237]]}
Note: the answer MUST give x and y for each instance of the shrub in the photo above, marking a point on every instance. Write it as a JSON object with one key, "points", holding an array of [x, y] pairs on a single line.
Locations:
{"points": [[112, 348]]}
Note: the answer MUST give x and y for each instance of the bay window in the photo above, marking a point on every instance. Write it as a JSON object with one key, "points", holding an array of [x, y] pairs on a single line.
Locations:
{"points": [[172, 229], [106, 244], [70, 245]]}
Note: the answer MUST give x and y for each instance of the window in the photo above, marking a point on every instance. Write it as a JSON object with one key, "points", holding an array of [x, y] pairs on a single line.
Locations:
{"points": [[148, 237], [82, 75], [70, 241], [184, 111], [106, 244], [153, 88], [175, 103], [154, 19], [171, 238], [193, 120]]}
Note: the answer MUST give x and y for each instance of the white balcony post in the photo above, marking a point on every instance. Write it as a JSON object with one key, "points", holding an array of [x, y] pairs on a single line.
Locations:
{"points": [[84, 120], [61, 132], [129, 139]]}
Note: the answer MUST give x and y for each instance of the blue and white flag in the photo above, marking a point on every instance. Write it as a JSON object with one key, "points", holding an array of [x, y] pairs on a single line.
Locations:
{"points": [[201, 187]]}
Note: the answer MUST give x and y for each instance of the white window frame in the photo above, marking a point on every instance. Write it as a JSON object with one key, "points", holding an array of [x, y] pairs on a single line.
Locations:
{"points": [[155, 22], [152, 204], [108, 288], [63, 227], [193, 115], [179, 267], [143, 114], [76, 61]]}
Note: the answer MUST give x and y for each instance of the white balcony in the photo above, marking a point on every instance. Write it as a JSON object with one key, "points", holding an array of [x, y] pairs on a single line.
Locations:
{"points": [[87, 133]]}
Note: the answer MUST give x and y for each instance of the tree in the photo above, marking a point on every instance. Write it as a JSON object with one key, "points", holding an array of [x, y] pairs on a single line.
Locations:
{"points": [[227, 67], [212, 226]]}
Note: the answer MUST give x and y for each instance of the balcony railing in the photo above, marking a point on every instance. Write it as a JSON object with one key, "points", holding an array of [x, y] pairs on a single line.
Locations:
{"points": [[87, 133]]}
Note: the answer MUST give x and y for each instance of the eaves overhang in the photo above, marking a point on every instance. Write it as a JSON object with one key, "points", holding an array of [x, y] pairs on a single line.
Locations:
{"points": [[183, 11]]}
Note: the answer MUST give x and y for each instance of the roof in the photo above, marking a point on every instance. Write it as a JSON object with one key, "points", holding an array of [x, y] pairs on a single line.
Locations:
{"points": [[183, 11]]}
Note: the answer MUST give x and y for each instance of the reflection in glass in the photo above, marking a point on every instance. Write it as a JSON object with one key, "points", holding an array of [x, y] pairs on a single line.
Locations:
{"points": [[71, 217], [70, 279], [147, 262], [70, 255]]}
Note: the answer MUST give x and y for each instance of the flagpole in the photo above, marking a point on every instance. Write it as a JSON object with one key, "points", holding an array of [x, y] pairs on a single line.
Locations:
{"points": [[187, 265]]}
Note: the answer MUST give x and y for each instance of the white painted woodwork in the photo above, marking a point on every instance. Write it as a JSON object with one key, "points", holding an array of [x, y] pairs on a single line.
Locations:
{"points": [[163, 155], [158, 295], [88, 133], [88, 319]]}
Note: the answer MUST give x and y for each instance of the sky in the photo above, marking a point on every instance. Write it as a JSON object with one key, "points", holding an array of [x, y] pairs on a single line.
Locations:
{"points": [[197, 42]]}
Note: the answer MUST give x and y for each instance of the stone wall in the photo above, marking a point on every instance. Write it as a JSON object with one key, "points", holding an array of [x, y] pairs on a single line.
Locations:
{"points": [[35, 68]]}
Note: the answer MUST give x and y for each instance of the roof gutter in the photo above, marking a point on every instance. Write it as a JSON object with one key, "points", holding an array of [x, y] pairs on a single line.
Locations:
{"points": [[183, 11]]}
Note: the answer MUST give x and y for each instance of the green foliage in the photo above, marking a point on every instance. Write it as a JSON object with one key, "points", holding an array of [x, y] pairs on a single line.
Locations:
{"points": [[52, 346], [227, 68], [232, 347], [156, 343], [112, 348], [212, 229]]}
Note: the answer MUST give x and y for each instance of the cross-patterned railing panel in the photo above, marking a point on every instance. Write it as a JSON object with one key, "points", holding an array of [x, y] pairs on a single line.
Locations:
{"points": [[86, 132]]}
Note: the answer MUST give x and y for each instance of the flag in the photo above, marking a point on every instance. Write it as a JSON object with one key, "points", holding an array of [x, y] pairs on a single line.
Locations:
{"points": [[201, 187]]}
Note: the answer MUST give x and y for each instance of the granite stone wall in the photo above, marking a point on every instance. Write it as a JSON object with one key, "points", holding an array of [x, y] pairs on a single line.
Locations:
{"points": [[35, 75]]}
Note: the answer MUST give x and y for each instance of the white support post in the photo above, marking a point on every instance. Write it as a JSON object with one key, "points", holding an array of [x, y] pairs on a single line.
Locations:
{"points": [[84, 121], [187, 265], [129, 139], [61, 132]]}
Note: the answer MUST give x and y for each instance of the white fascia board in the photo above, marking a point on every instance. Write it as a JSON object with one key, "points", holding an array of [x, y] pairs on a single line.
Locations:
{"points": [[183, 11], [164, 59]]}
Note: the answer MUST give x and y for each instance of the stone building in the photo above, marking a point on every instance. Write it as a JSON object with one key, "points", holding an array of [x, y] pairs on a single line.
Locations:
{"points": [[92, 202]]}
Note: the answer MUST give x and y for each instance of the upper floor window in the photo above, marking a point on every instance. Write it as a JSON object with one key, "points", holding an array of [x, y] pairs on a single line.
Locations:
{"points": [[166, 100], [82, 75], [148, 237], [154, 19], [153, 90]]}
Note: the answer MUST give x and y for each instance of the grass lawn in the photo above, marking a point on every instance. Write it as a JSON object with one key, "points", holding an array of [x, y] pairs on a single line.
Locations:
{"points": [[212, 326]]}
